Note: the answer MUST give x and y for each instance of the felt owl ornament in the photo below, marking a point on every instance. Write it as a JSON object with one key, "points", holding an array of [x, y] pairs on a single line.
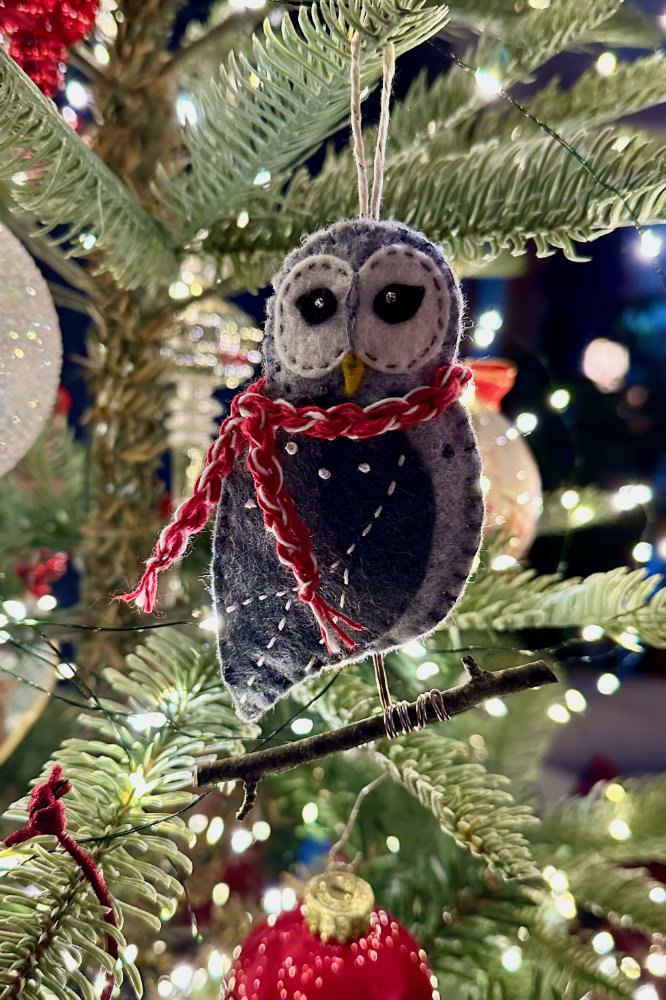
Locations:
{"points": [[352, 524]]}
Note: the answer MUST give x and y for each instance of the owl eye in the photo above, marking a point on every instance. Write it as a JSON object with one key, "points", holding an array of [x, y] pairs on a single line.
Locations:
{"points": [[398, 303], [317, 305]]}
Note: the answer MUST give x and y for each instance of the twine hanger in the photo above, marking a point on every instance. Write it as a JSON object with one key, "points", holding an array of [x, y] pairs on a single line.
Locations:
{"points": [[370, 208]]}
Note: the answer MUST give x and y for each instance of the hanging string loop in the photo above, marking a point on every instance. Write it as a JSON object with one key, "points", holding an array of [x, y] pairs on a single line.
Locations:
{"points": [[369, 208]]}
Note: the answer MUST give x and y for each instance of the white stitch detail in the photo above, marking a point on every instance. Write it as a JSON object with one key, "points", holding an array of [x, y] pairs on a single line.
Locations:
{"points": [[401, 461], [291, 447], [263, 597], [334, 566], [246, 602], [249, 504], [378, 511], [366, 530], [232, 607], [345, 576], [280, 593], [351, 549], [364, 467], [287, 605], [271, 642], [261, 661], [281, 624], [391, 488], [251, 680], [324, 474], [342, 600], [310, 663]]}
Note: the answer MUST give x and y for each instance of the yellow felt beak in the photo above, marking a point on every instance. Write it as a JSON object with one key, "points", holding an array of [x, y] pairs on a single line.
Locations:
{"points": [[353, 370]]}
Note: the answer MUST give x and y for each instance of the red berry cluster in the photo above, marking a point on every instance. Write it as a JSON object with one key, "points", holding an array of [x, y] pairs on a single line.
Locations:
{"points": [[37, 34]]}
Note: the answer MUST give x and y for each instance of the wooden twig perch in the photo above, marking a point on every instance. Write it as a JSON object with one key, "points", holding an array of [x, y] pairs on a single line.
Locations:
{"points": [[250, 768]]}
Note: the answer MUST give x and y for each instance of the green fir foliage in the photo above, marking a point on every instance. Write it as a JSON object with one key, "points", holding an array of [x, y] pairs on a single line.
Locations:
{"points": [[623, 602], [259, 119], [127, 781], [471, 804], [79, 202], [41, 502]]}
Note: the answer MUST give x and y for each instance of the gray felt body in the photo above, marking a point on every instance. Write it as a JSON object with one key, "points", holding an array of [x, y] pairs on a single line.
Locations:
{"points": [[395, 521]]}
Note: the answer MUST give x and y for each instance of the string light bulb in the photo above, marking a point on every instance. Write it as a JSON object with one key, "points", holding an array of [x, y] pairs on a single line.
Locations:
{"points": [[603, 942], [512, 958], [487, 82], [608, 684], [650, 245], [186, 111], [619, 830], [526, 422], [655, 963], [560, 399], [642, 552], [607, 63]]}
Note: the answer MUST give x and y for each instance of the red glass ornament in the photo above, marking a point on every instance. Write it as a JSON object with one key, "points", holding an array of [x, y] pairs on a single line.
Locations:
{"points": [[493, 378], [63, 401], [282, 960], [39, 32], [72, 19], [41, 59]]}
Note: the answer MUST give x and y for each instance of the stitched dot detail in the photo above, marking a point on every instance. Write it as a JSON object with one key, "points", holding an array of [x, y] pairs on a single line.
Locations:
{"points": [[364, 467], [324, 474], [291, 447]]}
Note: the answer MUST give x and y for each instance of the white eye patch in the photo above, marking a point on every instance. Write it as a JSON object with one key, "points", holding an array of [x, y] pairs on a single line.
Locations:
{"points": [[403, 310], [312, 315]]}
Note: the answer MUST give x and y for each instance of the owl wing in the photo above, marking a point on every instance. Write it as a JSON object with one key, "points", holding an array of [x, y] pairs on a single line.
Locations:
{"points": [[447, 448]]}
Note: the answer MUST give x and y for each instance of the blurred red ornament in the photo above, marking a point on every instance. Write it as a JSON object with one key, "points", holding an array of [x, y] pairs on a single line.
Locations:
{"points": [[41, 570], [39, 32], [287, 958], [492, 380], [164, 507], [63, 401]]}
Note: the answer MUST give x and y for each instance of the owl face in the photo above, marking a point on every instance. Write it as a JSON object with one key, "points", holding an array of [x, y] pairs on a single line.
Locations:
{"points": [[362, 310]]}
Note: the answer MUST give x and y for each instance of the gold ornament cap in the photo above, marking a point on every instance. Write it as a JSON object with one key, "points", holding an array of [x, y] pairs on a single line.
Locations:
{"points": [[338, 905]]}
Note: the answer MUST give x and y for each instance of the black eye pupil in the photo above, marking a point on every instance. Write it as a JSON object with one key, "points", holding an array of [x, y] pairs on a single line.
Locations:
{"points": [[398, 303], [317, 305]]}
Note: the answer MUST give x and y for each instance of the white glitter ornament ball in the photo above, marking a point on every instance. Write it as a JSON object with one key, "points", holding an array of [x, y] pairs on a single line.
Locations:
{"points": [[511, 480], [30, 351]]}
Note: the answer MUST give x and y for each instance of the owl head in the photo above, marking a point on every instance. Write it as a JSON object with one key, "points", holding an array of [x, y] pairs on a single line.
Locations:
{"points": [[362, 310]]}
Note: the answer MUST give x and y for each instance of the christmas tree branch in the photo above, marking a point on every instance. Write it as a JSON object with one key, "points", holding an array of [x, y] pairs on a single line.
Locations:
{"points": [[234, 21], [481, 684]]}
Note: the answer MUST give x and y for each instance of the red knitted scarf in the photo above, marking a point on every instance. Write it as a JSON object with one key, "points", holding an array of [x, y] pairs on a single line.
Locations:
{"points": [[253, 421]]}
